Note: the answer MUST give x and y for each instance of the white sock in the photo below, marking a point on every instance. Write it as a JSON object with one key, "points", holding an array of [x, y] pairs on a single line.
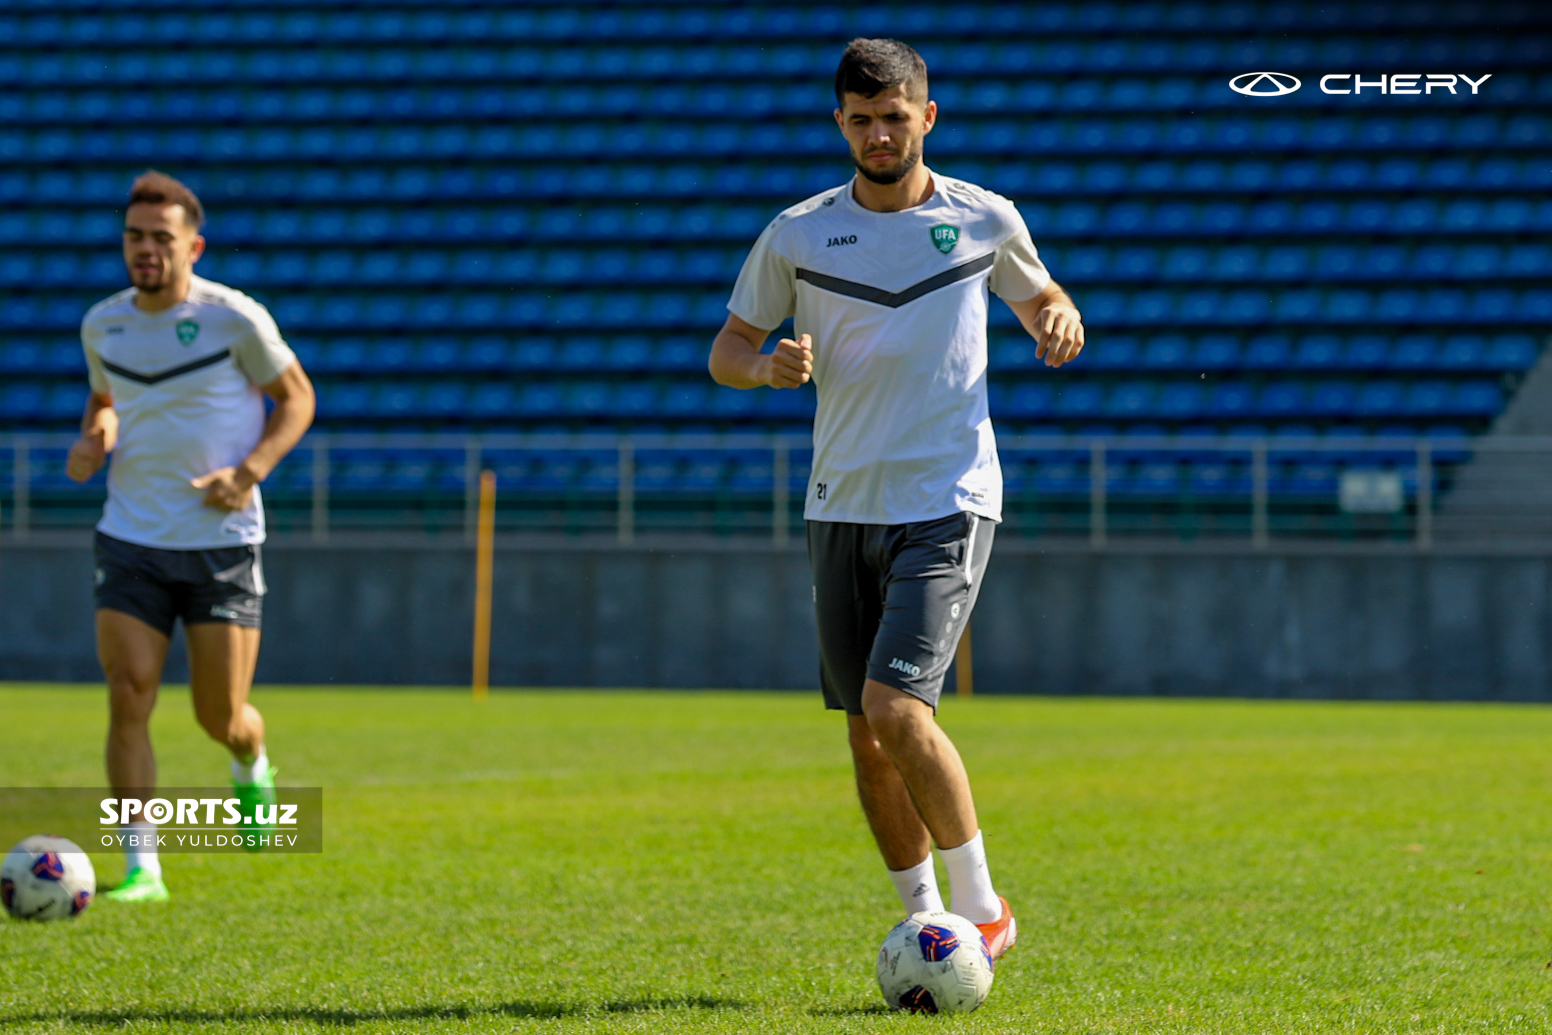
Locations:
{"points": [[142, 855], [918, 888], [970, 882], [249, 772]]}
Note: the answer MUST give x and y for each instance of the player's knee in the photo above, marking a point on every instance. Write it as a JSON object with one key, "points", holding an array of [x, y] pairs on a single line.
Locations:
{"points": [[128, 710], [865, 746], [890, 725], [130, 700], [896, 720]]}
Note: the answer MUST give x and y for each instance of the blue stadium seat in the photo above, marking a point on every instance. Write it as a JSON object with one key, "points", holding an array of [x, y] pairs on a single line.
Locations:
{"points": [[591, 399], [65, 358], [1028, 400], [1016, 353], [1216, 352], [540, 399], [686, 399], [1368, 352], [1332, 399], [600, 475], [1413, 352], [1476, 399], [22, 356], [1267, 352], [439, 354], [25, 400], [1180, 401], [1080, 400], [1110, 352], [1308, 479], [1158, 478], [1130, 400], [1318, 352], [492, 401], [1230, 400], [344, 401], [1528, 260], [530, 353], [704, 473], [1282, 400], [636, 400], [1511, 352], [352, 472], [446, 400], [1463, 352], [1427, 399], [1218, 479], [554, 472], [1168, 352], [1379, 399], [1061, 478], [397, 400]]}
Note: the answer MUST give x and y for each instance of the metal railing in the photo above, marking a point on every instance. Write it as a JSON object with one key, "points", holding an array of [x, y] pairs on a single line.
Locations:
{"points": [[1258, 489]]}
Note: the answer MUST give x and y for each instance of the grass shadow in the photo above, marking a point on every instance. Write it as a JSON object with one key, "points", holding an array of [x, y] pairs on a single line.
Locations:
{"points": [[345, 1017], [870, 1010]]}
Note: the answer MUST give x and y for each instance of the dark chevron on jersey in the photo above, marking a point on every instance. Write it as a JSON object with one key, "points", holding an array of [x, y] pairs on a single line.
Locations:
{"points": [[896, 299], [151, 379]]}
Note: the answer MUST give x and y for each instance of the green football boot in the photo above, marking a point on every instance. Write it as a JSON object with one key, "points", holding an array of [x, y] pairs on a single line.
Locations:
{"points": [[251, 796], [138, 886]]}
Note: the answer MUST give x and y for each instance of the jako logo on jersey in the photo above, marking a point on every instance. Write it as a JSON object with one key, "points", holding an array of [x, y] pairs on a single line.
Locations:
{"points": [[1264, 84], [187, 330], [841, 240], [945, 237], [905, 666]]}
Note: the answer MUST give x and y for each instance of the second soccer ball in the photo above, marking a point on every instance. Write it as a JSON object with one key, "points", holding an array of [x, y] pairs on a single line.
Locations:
{"points": [[46, 878]]}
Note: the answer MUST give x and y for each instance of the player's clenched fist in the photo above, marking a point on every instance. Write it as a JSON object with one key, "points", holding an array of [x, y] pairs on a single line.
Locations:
{"points": [[226, 488], [792, 364], [86, 458], [1059, 332]]}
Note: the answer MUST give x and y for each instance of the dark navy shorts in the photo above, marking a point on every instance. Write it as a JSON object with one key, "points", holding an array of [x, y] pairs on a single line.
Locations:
{"points": [[161, 586], [892, 601]]}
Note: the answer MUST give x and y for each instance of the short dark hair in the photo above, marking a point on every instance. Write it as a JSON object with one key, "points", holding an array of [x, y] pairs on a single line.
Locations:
{"points": [[869, 67], [157, 188]]}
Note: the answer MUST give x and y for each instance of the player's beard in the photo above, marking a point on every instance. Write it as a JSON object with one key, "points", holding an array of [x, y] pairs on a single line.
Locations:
{"points": [[895, 173], [148, 281]]}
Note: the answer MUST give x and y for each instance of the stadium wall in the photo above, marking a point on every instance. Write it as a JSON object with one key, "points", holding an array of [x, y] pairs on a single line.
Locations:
{"points": [[1133, 620]]}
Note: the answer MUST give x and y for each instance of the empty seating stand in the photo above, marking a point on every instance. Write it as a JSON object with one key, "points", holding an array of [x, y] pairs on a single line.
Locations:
{"points": [[489, 217]]}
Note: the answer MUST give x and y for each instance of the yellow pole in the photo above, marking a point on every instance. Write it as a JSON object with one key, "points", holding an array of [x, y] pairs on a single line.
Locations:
{"points": [[484, 563], [963, 675]]}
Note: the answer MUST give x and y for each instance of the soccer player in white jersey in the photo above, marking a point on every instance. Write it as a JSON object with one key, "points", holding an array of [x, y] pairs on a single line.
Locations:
{"points": [[179, 367], [887, 277]]}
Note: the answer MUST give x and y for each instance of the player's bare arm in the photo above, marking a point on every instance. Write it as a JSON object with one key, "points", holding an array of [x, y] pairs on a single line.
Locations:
{"points": [[736, 359], [99, 434], [1054, 322], [231, 488]]}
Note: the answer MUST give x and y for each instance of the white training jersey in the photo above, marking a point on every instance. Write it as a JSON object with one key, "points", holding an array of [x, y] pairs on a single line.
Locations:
{"points": [[185, 384], [896, 304]]}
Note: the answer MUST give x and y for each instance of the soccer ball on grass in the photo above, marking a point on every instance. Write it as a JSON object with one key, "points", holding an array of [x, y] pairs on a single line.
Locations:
{"points": [[46, 878], [934, 963]]}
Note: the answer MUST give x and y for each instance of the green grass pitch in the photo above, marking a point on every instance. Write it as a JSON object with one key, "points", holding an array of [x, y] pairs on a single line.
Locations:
{"points": [[559, 861]]}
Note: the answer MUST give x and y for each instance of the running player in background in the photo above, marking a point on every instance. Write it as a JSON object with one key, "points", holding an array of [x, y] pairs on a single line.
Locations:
{"points": [[887, 277], [179, 367]]}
